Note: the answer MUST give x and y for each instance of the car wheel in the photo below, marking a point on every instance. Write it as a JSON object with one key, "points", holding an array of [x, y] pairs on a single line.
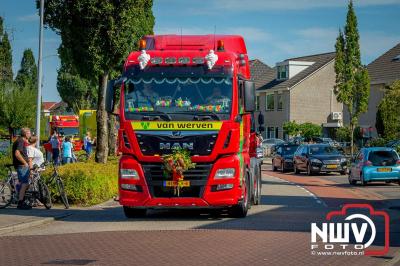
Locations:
{"points": [[309, 171], [351, 181], [296, 171], [273, 166], [363, 182], [283, 168]]}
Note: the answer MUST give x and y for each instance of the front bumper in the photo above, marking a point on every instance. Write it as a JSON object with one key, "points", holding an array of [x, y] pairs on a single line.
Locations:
{"points": [[318, 167], [201, 194]]}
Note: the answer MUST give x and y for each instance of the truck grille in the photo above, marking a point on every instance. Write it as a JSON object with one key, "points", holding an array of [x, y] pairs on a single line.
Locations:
{"points": [[155, 178]]}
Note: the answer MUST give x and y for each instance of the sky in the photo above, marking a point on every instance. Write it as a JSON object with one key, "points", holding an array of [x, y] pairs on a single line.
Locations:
{"points": [[274, 30]]}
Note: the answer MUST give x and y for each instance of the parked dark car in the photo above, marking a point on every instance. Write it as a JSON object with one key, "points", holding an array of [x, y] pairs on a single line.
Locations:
{"points": [[283, 157], [317, 158]]}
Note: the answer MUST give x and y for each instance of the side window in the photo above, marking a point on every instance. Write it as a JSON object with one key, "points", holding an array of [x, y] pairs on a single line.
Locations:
{"points": [[241, 91], [299, 150]]}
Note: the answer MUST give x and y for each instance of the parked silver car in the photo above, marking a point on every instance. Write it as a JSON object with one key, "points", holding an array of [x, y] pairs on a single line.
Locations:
{"points": [[269, 144]]}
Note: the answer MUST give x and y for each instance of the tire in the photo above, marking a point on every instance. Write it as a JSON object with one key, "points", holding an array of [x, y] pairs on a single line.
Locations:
{"points": [[309, 171], [363, 182], [343, 172], [283, 170], [63, 195], [240, 210], [273, 166], [257, 189], [6, 194], [44, 194], [296, 171], [134, 212], [351, 181]]}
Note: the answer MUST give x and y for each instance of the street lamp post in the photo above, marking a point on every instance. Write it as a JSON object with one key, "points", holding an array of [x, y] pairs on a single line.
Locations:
{"points": [[39, 92]]}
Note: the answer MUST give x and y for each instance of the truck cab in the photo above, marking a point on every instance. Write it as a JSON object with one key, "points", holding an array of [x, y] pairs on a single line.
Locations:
{"points": [[193, 93]]}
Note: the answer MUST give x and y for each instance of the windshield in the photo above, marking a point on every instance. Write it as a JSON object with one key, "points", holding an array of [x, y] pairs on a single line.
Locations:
{"points": [[287, 150], [323, 150], [68, 131], [178, 95], [383, 158]]}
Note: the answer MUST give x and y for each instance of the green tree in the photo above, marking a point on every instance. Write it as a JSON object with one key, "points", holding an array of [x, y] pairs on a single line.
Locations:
{"points": [[27, 75], [99, 35], [343, 134], [17, 108], [291, 128], [352, 79], [309, 130], [6, 73], [388, 115]]}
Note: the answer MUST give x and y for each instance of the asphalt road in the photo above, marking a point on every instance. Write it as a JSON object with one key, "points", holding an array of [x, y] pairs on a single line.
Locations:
{"points": [[277, 232]]}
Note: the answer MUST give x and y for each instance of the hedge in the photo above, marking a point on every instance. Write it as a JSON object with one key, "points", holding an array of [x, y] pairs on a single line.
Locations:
{"points": [[86, 183]]}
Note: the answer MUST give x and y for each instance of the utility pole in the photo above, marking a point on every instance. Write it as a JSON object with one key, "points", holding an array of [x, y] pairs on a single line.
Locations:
{"points": [[39, 92]]}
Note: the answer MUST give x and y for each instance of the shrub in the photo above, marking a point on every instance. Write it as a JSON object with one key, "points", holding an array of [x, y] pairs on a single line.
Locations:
{"points": [[378, 142], [5, 158], [87, 183]]}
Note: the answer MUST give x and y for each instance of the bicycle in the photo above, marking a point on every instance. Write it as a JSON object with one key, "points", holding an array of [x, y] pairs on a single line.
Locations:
{"points": [[37, 191], [60, 186]]}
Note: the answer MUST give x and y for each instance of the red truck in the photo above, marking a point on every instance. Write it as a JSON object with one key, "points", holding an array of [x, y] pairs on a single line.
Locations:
{"points": [[194, 93], [65, 125]]}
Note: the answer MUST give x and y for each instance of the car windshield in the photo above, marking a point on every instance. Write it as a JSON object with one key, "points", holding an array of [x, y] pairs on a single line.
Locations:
{"points": [[288, 150], [323, 150], [68, 131], [178, 95], [383, 158]]}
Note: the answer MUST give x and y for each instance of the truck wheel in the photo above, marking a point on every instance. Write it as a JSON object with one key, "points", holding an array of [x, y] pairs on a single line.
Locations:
{"points": [[257, 187], [134, 212], [240, 210]]}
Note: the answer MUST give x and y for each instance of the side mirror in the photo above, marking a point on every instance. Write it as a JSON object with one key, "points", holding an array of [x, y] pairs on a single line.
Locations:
{"points": [[249, 96], [110, 96]]}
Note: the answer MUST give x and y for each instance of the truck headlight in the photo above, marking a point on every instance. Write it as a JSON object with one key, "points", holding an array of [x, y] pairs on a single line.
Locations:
{"points": [[225, 173], [129, 173]]}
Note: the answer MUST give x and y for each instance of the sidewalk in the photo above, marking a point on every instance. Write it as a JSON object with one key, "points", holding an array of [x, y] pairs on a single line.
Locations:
{"points": [[12, 219]]}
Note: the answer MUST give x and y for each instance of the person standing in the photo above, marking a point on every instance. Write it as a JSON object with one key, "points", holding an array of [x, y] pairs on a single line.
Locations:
{"points": [[88, 143], [35, 156], [21, 165], [55, 146], [67, 151]]}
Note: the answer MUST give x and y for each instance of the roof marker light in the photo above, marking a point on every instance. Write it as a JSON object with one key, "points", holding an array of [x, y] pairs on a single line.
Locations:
{"points": [[142, 44], [198, 60], [143, 59], [170, 60], [184, 60], [156, 60], [211, 58], [220, 45]]}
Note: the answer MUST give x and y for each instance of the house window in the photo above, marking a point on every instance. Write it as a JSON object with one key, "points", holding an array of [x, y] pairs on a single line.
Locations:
{"points": [[283, 72], [270, 102], [280, 101], [276, 132], [270, 132], [257, 103]]}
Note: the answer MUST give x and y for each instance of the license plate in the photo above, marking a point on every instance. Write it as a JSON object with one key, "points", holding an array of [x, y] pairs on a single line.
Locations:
{"points": [[384, 169], [331, 166], [175, 183]]}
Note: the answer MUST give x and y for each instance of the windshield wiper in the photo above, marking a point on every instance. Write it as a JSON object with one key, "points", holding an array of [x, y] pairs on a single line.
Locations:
{"points": [[202, 114], [156, 115]]}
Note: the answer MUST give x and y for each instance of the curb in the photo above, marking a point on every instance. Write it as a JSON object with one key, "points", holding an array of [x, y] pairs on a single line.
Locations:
{"points": [[26, 225]]}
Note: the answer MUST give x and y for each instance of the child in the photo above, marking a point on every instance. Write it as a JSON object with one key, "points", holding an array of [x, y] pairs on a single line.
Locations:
{"points": [[67, 151], [35, 156]]}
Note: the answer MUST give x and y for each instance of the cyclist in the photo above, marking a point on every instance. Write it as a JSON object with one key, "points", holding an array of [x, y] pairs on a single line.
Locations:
{"points": [[21, 164]]}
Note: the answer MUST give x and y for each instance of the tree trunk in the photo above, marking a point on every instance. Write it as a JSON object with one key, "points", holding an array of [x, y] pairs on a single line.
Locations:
{"points": [[112, 134], [102, 129], [352, 139]]}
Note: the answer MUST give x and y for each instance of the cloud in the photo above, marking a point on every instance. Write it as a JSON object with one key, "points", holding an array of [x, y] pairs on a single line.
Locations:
{"points": [[28, 18], [209, 7]]}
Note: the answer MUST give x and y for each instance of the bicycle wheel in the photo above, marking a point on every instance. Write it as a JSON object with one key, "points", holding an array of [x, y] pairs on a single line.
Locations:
{"points": [[5, 194], [83, 157], [44, 194], [60, 187]]}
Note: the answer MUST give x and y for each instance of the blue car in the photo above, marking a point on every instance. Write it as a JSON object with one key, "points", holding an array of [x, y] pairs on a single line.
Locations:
{"points": [[375, 164]]}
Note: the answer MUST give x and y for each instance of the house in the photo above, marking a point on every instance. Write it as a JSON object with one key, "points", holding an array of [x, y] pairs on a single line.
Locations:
{"points": [[56, 108], [382, 72], [301, 89], [46, 107]]}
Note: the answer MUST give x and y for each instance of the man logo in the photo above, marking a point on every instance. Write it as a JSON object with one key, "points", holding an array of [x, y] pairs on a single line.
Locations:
{"points": [[145, 125], [176, 145]]}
